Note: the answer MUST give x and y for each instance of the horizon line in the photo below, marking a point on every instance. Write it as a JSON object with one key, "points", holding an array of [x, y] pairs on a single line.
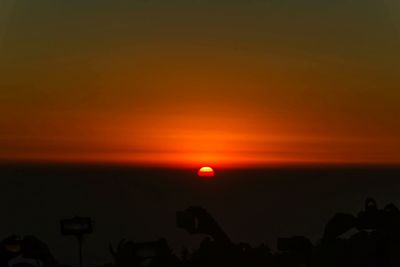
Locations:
{"points": [[275, 165]]}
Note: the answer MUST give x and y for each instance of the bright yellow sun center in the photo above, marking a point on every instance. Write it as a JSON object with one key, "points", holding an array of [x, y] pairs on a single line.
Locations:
{"points": [[206, 171]]}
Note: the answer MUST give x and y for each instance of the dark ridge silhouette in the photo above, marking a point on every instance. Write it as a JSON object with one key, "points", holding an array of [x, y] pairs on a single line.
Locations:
{"points": [[374, 242]]}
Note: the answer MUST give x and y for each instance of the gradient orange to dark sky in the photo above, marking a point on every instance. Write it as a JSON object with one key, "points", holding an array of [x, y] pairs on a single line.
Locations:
{"points": [[186, 83]]}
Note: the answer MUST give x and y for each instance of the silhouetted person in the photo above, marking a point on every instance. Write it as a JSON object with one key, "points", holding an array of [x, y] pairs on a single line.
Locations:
{"points": [[197, 220], [218, 250], [371, 217], [338, 225]]}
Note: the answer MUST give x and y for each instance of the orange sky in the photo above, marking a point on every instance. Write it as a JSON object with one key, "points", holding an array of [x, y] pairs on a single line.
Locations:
{"points": [[212, 83]]}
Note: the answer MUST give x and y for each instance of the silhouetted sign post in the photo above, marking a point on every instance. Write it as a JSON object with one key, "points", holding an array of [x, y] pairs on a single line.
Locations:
{"points": [[78, 227]]}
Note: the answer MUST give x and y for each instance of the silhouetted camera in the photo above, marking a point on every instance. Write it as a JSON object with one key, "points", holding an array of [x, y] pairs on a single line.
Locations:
{"points": [[76, 226], [186, 220]]}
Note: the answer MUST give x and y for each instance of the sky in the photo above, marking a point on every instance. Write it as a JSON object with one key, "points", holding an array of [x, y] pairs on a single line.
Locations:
{"points": [[190, 83]]}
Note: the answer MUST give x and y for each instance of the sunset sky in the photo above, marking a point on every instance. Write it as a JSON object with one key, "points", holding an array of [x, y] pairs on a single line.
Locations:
{"points": [[200, 82]]}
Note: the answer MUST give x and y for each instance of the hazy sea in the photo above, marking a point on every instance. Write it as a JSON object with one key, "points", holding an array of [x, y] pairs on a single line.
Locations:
{"points": [[253, 205]]}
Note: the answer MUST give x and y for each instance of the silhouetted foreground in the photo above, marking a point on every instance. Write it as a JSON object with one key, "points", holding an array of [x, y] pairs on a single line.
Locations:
{"points": [[370, 238]]}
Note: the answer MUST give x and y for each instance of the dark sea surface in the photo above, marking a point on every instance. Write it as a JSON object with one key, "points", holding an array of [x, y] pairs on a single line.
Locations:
{"points": [[255, 205]]}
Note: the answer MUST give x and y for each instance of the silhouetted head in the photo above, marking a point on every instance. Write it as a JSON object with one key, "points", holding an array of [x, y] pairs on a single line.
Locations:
{"points": [[370, 204], [391, 208]]}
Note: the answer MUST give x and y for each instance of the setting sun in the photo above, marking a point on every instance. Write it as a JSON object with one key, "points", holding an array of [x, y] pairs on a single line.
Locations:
{"points": [[206, 172]]}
